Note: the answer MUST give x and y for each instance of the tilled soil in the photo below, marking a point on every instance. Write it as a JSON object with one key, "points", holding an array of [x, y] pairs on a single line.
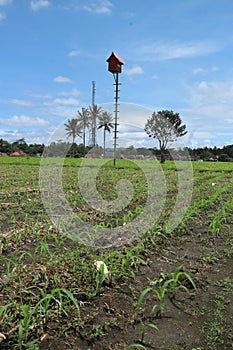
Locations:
{"points": [[186, 320]]}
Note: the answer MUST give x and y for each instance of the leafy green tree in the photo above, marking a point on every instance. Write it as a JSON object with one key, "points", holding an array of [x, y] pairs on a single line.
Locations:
{"points": [[166, 126], [57, 149], [205, 152], [84, 118], [131, 150], [35, 149], [81, 151], [105, 122], [228, 150], [143, 151], [20, 145], [5, 146], [224, 158]]}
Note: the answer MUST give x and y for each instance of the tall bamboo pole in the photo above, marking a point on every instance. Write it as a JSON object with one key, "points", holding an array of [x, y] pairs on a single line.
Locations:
{"points": [[116, 117]]}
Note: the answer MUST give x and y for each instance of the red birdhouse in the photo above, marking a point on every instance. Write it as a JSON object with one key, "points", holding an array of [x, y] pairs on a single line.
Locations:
{"points": [[114, 63]]}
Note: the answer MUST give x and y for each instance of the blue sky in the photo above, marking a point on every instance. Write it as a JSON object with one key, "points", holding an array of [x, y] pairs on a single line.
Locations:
{"points": [[178, 56]]}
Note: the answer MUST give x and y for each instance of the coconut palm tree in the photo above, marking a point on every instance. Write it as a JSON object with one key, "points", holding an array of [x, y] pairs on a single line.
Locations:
{"points": [[95, 113], [106, 122], [73, 129], [84, 118]]}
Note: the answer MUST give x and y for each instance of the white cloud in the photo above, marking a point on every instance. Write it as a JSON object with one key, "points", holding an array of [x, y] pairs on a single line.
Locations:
{"points": [[74, 53], [2, 16], [38, 4], [204, 135], [63, 101], [61, 79], [101, 7], [157, 51], [23, 121], [5, 2], [210, 113], [73, 92], [134, 70], [213, 93], [197, 70], [67, 101], [21, 103], [131, 113], [203, 86], [214, 69], [31, 136], [35, 95], [229, 121], [202, 70]]}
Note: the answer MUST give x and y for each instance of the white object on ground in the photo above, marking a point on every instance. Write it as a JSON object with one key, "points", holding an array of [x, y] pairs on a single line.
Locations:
{"points": [[98, 264]]}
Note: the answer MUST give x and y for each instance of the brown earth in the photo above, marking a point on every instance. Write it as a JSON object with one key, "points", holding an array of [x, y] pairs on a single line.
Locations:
{"points": [[188, 322], [199, 320]]}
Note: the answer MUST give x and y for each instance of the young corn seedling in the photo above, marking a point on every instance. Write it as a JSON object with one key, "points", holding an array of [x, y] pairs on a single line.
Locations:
{"points": [[11, 313], [43, 249], [143, 329], [60, 296], [140, 300], [131, 260], [128, 217], [168, 286], [220, 218], [4, 309], [177, 279], [160, 294], [25, 325], [9, 264], [23, 255]]}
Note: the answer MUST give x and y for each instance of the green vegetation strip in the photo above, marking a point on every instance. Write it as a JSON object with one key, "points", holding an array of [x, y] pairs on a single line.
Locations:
{"points": [[216, 331]]}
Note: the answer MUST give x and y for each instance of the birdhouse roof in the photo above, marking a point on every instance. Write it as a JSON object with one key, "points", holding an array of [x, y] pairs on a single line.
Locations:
{"points": [[117, 57]]}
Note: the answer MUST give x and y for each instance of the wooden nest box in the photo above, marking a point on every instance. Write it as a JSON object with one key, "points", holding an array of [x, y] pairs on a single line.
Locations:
{"points": [[114, 63]]}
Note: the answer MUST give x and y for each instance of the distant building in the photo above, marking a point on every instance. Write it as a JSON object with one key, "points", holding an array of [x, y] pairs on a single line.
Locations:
{"points": [[18, 154], [212, 158]]}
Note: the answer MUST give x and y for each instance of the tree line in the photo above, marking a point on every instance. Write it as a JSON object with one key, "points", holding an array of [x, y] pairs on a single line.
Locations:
{"points": [[21, 146], [165, 126], [58, 148]]}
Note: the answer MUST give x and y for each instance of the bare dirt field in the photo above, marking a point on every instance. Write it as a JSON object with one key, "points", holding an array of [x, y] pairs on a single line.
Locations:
{"points": [[166, 291]]}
